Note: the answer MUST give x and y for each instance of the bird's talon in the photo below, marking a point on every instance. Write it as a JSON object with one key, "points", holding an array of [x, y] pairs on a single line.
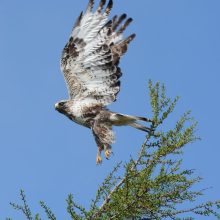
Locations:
{"points": [[98, 160], [107, 152]]}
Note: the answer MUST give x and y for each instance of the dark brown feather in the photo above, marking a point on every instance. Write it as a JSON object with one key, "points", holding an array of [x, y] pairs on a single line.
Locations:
{"points": [[124, 26], [120, 48], [117, 62], [120, 31], [108, 24], [116, 57], [90, 6], [124, 49], [108, 8], [77, 23], [72, 51], [100, 7], [114, 18], [118, 73], [116, 24], [127, 40]]}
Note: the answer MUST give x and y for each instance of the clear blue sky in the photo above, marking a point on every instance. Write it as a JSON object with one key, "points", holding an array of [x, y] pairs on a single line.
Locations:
{"points": [[49, 156]]}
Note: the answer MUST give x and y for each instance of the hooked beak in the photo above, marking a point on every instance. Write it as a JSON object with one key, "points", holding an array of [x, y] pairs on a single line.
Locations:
{"points": [[56, 106]]}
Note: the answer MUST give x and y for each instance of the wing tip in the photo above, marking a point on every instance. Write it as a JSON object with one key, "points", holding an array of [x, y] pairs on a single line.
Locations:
{"points": [[100, 7], [118, 22], [108, 8], [90, 6]]}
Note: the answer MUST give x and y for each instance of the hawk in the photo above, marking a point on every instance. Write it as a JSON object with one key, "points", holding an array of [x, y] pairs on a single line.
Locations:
{"points": [[89, 63]]}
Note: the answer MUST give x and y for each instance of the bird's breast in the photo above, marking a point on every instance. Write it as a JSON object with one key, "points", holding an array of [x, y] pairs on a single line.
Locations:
{"points": [[77, 118]]}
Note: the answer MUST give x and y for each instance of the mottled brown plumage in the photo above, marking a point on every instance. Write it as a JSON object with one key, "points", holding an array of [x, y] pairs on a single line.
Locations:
{"points": [[89, 63]]}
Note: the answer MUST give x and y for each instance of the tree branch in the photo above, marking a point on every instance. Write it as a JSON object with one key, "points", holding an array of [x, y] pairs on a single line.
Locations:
{"points": [[134, 166]]}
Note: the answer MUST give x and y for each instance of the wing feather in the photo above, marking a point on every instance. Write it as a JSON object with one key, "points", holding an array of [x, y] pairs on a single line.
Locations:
{"points": [[100, 7], [90, 6], [108, 8], [76, 27], [90, 58], [118, 22]]}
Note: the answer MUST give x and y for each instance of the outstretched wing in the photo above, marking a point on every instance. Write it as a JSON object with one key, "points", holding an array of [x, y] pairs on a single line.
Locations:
{"points": [[89, 61]]}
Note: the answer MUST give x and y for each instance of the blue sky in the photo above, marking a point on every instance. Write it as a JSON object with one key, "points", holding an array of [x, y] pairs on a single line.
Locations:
{"points": [[49, 156]]}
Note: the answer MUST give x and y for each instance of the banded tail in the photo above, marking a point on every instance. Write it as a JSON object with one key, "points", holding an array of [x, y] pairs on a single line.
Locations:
{"points": [[127, 120]]}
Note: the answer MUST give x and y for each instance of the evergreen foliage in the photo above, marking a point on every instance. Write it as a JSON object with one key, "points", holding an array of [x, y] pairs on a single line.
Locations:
{"points": [[153, 184]]}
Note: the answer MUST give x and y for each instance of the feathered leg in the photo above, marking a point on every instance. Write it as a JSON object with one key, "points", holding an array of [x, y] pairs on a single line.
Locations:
{"points": [[98, 158], [99, 146], [104, 138]]}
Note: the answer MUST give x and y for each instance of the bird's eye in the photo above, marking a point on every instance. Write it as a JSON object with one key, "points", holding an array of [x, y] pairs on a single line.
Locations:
{"points": [[61, 103]]}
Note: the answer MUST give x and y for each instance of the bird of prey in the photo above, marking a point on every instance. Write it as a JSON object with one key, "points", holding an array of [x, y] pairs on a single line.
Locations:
{"points": [[89, 63]]}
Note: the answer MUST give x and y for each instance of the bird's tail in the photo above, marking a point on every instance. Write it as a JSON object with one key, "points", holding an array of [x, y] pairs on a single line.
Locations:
{"points": [[127, 120]]}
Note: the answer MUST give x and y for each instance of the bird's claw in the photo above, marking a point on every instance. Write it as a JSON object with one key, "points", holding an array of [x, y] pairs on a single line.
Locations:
{"points": [[98, 160], [107, 152]]}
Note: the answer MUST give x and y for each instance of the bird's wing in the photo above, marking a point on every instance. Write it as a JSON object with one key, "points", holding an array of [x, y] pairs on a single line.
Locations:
{"points": [[89, 61]]}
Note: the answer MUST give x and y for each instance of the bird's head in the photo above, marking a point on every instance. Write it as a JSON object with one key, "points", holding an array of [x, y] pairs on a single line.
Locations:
{"points": [[61, 106]]}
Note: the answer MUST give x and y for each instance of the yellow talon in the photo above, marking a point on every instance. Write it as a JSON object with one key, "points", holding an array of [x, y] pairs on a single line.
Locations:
{"points": [[98, 160], [107, 153]]}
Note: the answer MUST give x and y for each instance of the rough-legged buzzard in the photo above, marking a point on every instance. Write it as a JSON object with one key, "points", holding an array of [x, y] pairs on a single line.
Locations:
{"points": [[89, 63]]}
